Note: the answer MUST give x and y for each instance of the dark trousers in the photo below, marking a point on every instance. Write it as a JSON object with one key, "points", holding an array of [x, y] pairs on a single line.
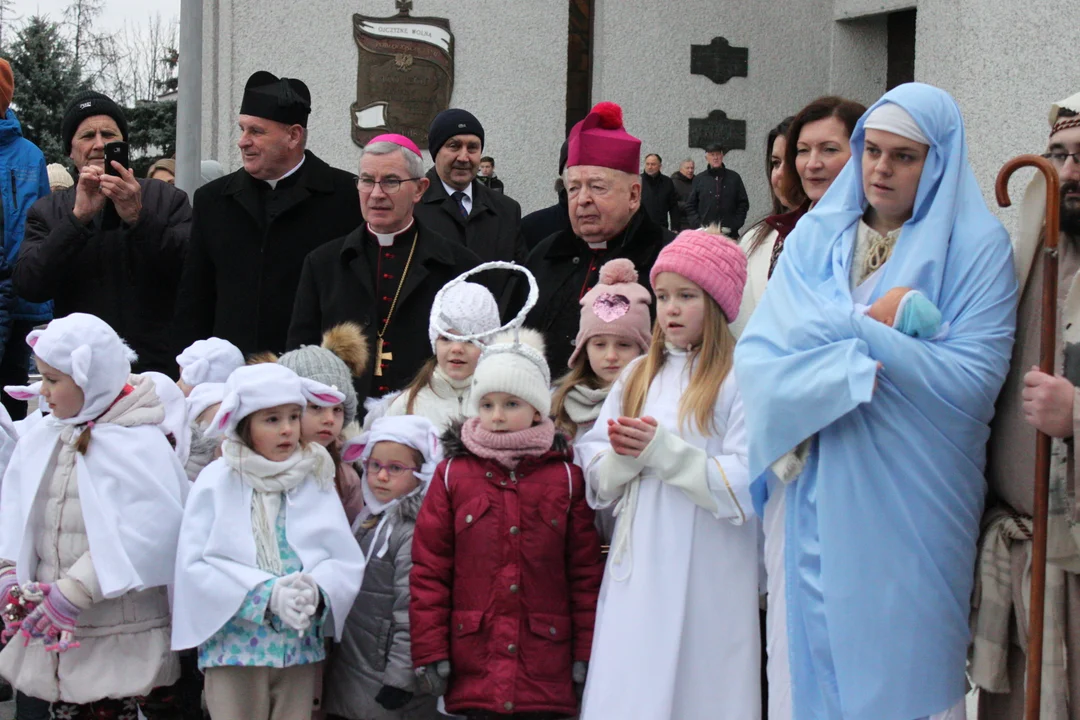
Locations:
{"points": [[30, 708], [15, 367]]}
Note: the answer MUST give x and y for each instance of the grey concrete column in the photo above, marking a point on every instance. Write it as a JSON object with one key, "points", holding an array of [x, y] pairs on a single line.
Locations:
{"points": [[189, 102]]}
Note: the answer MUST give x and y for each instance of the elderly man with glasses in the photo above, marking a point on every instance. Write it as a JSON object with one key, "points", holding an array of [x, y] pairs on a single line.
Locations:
{"points": [[383, 275], [1032, 400]]}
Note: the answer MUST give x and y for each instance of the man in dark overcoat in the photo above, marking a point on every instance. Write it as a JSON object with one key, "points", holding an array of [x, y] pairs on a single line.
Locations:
{"points": [[252, 229]]}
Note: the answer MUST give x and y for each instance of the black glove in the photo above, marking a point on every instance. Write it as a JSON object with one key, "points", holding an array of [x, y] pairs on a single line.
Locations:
{"points": [[393, 698]]}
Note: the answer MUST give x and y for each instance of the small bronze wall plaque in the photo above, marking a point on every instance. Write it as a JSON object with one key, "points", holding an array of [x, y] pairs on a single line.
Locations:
{"points": [[405, 75], [718, 61], [717, 127]]}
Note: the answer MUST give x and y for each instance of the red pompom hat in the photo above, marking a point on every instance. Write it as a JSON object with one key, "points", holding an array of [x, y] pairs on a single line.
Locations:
{"points": [[601, 140]]}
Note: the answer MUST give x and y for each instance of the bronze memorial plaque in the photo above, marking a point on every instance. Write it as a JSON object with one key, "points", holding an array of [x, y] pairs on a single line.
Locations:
{"points": [[405, 75]]}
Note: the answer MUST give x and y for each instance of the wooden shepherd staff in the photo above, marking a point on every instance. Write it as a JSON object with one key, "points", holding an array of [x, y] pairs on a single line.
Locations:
{"points": [[1047, 347]]}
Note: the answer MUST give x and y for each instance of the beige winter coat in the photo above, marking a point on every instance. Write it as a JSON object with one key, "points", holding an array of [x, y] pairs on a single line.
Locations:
{"points": [[124, 641]]}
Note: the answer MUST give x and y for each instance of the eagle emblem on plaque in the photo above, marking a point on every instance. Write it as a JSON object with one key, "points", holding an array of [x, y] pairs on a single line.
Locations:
{"points": [[405, 75]]}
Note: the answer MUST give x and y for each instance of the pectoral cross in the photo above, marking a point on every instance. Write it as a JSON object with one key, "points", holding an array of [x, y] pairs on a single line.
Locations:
{"points": [[380, 356]]}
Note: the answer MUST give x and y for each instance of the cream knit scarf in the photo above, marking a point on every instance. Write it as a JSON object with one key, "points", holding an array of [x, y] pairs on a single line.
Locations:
{"points": [[583, 403], [270, 480]]}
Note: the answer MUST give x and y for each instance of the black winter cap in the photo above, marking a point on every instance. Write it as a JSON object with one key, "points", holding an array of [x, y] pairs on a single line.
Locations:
{"points": [[88, 104], [452, 122]]}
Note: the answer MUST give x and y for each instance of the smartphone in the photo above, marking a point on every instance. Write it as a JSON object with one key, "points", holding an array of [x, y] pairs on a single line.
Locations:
{"points": [[117, 151]]}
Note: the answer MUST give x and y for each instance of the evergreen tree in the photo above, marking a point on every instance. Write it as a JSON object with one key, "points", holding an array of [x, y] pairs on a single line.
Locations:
{"points": [[153, 133], [46, 78]]}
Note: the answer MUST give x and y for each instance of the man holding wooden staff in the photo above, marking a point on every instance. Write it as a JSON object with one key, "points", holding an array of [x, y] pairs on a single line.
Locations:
{"points": [[1033, 401]]}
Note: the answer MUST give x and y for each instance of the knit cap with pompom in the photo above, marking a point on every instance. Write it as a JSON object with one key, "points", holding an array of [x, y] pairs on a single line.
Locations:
{"points": [[513, 362], [618, 305], [600, 140], [712, 261]]}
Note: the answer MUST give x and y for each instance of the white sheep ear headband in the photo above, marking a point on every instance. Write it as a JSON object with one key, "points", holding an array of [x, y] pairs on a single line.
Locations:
{"points": [[514, 324], [26, 393]]}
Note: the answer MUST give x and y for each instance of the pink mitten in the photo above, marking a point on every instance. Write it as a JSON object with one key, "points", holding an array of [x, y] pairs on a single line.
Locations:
{"points": [[52, 620], [15, 602]]}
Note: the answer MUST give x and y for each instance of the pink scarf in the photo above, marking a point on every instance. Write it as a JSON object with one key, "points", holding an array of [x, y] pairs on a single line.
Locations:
{"points": [[508, 448]]}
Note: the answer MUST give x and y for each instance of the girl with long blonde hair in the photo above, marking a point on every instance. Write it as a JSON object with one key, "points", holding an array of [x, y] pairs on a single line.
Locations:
{"points": [[668, 451]]}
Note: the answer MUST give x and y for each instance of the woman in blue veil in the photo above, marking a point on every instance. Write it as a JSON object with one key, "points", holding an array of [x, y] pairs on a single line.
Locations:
{"points": [[872, 410]]}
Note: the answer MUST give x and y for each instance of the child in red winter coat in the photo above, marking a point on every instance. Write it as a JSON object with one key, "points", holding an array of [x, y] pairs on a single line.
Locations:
{"points": [[506, 557]]}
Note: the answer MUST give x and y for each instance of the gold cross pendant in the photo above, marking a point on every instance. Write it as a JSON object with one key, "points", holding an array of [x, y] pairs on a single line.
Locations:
{"points": [[380, 356]]}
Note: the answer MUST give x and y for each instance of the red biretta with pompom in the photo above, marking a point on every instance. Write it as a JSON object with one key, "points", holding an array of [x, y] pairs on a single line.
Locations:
{"points": [[601, 140]]}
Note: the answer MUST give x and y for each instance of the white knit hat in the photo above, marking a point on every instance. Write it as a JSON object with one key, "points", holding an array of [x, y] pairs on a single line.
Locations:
{"points": [[210, 360], [513, 363], [86, 348], [256, 387], [466, 307], [59, 177]]}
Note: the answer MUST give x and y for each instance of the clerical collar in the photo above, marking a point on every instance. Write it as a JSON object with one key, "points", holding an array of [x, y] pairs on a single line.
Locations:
{"points": [[602, 245], [450, 191], [273, 183], [387, 239]]}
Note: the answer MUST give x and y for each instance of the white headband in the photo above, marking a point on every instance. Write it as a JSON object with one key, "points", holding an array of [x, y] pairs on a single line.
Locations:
{"points": [[890, 117]]}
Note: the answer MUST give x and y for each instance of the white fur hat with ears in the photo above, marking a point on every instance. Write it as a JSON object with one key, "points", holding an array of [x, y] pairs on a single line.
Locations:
{"points": [[256, 387], [417, 432], [86, 348], [210, 360], [413, 431]]}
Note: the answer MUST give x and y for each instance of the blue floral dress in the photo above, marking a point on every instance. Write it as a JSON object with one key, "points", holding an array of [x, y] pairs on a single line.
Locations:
{"points": [[255, 637]]}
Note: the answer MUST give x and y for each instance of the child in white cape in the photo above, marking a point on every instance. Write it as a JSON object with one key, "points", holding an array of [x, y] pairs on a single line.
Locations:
{"points": [[267, 564], [97, 473]]}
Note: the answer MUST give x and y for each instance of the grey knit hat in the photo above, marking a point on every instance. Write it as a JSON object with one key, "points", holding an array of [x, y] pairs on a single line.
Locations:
{"points": [[343, 354]]}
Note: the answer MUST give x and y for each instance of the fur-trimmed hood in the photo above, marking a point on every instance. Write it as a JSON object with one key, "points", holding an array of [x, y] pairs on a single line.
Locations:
{"points": [[454, 446]]}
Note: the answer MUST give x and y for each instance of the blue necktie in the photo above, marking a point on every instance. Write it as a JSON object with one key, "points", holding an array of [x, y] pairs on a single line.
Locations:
{"points": [[460, 197]]}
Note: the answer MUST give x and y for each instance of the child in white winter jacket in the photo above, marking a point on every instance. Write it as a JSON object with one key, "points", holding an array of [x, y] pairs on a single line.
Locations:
{"points": [[266, 563], [440, 390], [98, 472], [370, 674]]}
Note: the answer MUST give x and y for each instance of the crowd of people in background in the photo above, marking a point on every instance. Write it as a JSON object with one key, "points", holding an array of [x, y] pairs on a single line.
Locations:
{"points": [[372, 445]]}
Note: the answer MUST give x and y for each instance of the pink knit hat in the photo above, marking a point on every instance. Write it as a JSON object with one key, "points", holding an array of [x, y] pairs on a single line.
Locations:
{"points": [[617, 305], [712, 261], [600, 139]]}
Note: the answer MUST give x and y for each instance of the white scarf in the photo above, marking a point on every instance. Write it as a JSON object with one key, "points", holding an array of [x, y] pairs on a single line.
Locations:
{"points": [[446, 386], [269, 480]]}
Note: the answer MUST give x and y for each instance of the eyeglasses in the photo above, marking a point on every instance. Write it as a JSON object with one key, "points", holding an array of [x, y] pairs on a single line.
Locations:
{"points": [[374, 467], [389, 186], [1060, 157]]}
